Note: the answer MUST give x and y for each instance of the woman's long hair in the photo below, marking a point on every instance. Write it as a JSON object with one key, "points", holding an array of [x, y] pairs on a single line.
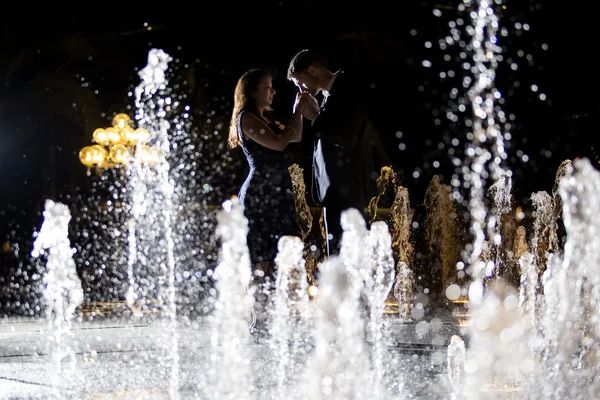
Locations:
{"points": [[242, 100]]}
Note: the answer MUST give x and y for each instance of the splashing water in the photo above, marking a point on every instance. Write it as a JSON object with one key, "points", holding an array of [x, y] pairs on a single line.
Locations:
{"points": [[379, 279], [151, 242], [501, 206], [348, 359], [338, 367], [62, 288], [528, 288], [456, 364], [230, 375], [572, 291], [497, 359], [403, 290], [544, 237], [485, 151], [291, 315]]}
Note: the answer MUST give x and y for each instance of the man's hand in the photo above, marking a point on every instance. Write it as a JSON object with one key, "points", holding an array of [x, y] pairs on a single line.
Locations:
{"points": [[307, 105], [299, 105]]}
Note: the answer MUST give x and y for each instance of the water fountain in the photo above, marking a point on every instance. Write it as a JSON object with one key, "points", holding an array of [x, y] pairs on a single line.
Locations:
{"points": [[230, 375], [538, 340], [62, 291]]}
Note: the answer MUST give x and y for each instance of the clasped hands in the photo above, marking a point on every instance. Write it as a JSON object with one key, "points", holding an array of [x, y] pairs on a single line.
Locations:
{"points": [[307, 105]]}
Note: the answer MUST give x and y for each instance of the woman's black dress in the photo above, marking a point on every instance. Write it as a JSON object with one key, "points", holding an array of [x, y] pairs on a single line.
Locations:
{"points": [[267, 197]]}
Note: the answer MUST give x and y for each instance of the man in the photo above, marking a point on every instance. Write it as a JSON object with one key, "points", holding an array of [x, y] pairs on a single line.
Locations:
{"points": [[342, 160]]}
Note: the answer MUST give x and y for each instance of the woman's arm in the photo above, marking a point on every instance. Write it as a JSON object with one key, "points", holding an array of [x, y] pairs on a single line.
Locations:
{"points": [[256, 129], [295, 125]]}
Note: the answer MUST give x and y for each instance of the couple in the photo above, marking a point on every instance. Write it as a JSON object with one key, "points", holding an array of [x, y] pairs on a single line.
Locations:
{"points": [[342, 158]]}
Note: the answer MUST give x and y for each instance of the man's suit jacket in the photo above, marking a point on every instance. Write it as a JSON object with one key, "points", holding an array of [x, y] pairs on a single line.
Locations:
{"points": [[343, 160]]}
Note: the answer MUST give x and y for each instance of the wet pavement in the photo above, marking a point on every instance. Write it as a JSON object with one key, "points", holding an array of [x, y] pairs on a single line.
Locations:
{"points": [[127, 357]]}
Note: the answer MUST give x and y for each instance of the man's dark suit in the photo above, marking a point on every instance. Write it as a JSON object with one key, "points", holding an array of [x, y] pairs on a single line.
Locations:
{"points": [[342, 159]]}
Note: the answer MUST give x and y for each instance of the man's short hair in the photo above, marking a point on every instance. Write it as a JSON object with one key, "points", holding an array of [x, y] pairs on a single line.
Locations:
{"points": [[302, 60]]}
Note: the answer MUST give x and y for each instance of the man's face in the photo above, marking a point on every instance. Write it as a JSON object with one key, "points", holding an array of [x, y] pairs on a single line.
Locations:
{"points": [[306, 81]]}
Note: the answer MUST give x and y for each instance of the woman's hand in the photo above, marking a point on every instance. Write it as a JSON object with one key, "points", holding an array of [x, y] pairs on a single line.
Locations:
{"points": [[299, 104], [306, 105]]}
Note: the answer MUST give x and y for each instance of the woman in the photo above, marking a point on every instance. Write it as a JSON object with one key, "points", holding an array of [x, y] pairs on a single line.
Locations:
{"points": [[266, 194]]}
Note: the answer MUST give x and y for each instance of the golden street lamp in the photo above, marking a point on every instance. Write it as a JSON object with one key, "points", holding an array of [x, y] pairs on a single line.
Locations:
{"points": [[118, 144]]}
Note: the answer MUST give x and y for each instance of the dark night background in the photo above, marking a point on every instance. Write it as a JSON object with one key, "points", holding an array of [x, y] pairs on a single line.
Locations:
{"points": [[65, 74]]}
